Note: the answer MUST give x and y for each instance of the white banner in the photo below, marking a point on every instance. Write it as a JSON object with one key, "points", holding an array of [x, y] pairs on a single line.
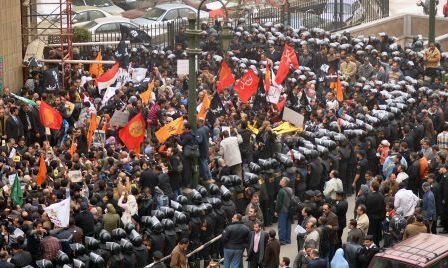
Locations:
{"points": [[138, 74], [59, 213]]}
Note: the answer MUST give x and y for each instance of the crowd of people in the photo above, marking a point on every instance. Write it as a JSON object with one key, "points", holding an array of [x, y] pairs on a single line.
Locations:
{"points": [[384, 142]]}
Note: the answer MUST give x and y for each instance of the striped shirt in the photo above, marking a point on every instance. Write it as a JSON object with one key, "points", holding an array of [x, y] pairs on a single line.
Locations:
{"points": [[442, 140]]}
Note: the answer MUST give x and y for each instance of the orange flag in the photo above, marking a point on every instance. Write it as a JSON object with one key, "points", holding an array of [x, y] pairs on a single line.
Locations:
{"points": [[204, 107], [92, 127], [173, 128], [42, 174], [147, 95], [133, 133], [267, 79], [337, 86], [49, 116], [226, 78], [106, 119], [73, 148], [96, 69]]}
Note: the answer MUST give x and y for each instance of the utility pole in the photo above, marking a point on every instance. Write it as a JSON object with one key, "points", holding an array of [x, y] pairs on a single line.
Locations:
{"points": [[432, 21], [192, 52]]}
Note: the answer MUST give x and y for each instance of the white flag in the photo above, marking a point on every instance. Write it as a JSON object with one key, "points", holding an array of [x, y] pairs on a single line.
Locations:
{"points": [[59, 213]]}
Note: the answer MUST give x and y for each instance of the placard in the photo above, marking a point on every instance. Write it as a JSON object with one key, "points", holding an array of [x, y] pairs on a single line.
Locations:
{"points": [[293, 117], [182, 67], [75, 175], [273, 96], [99, 138], [119, 118], [138, 74]]}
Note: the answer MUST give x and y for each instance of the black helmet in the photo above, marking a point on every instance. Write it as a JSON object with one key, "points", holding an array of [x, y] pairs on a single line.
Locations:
{"points": [[91, 243], [113, 247], [96, 260], [236, 180], [169, 212], [176, 206], [125, 245], [168, 225], [201, 189], [78, 263], [216, 203], [157, 228], [213, 189], [146, 220], [136, 238], [158, 214], [253, 167], [44, 263], [182, 199], [118, 234], [62, 257], [105, 236], [196, 197], [129, 227], [250, 179], [195, 211], [226, 181], [226, 194], [180, 217], [78, 249]]}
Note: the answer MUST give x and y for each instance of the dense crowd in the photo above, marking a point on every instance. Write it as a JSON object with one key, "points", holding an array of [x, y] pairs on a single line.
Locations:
{"points": [[385, 142]]}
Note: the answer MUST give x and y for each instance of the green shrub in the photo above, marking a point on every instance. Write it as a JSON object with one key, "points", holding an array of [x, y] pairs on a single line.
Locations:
{"points": [[81, 35]]}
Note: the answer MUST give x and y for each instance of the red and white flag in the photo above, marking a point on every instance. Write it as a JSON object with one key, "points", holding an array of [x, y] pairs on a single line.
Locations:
{"points": [[289, 58], [108, 78]]}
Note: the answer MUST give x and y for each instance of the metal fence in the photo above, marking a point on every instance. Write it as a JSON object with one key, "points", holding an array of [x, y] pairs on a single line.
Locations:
{"points": [[331, 15]]}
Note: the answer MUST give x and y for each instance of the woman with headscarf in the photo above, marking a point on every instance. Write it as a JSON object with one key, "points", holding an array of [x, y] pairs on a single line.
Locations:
{"points": [[130, 207], [338, 260]]}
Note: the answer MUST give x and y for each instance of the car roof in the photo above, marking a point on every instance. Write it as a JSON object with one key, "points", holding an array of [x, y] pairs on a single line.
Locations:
{"points": [[419, 250], [112, 19], [84, 8], [172, 6]]}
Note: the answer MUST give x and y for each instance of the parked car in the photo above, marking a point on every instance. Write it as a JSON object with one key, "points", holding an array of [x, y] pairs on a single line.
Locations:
{"points": [[423, 250], [352, 11], [83, 15], [105, 5], [105, 27], [134, 4], [166, 13]]}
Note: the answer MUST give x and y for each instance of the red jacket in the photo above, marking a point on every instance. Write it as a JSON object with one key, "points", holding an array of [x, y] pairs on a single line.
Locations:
{"points": [[445, 9]]}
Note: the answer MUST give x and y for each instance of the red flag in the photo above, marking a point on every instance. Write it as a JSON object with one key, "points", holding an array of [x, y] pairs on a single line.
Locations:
{"points": [[49, 116], [267, 79], [288, 57], [226, 78], [280, 105], [42, 174], [133, 133], [247, 85]]}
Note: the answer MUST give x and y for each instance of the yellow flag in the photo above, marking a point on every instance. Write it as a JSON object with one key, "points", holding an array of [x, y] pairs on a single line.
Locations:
{"points": [[173, 128], [253, 129], [204, 107], [286, 127], [96, 69], [147, 95]]}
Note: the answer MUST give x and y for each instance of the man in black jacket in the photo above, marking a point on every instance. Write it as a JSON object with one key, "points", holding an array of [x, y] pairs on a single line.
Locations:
{"points": [[235, 238], [376, 211]]}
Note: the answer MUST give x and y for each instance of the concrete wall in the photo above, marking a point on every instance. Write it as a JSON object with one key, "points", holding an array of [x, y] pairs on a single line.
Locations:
{"points": [[404, 27], [11, 43]]}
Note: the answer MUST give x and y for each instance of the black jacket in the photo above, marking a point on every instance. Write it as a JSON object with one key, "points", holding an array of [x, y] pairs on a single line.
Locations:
{"points": [[376, 206], [86, 222], [236, 236]]}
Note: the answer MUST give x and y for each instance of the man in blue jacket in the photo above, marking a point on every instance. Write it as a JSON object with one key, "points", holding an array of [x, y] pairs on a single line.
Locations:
{"points": [[429, 205], [235, 239]]}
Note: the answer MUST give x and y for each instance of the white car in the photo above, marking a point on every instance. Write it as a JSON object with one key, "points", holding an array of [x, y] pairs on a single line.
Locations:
{"points": [[103, 29], [168, 12], [105, 5], [83, 15], [352, 11]]}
